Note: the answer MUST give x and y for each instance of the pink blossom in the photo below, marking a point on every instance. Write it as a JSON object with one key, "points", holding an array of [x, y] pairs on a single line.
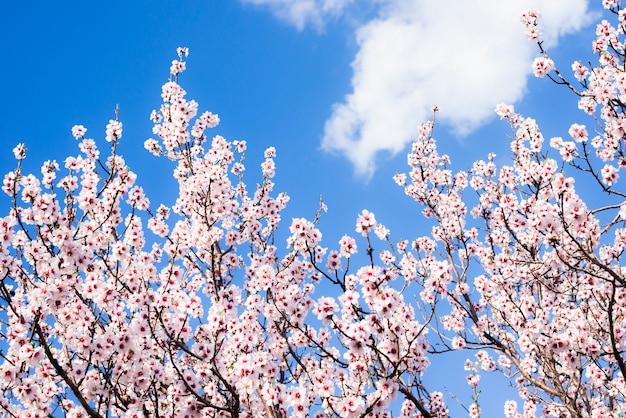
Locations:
{"points": [[609, 174], [348, 246], [504, 111], [365, 221], [113, 131], [177, 67], [19, 151], [270, 152], [578, 132], [182, 52], [542, 66], [325, 308], [78, 131], [400, 179], [458, 343], [529, 19], [580, 71], [381, 231]]}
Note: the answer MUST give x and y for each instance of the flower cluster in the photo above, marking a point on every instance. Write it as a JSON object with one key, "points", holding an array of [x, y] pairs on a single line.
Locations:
{"points": [[117, 307], [550, 284]]}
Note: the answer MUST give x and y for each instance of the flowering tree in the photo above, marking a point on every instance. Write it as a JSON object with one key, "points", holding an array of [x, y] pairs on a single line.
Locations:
{"points": [[550, 295], [114, 306], [200, 315]]}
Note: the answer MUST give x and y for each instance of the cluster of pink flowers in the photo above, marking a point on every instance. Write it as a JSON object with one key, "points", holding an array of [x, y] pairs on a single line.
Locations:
{"points": [[114, 306], [529, 18], [113, 131], [550, 293], [542, 66]]}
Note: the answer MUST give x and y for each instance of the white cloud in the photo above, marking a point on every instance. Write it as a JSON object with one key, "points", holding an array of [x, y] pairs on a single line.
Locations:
{"points": [[462, 55], [303, 12]]}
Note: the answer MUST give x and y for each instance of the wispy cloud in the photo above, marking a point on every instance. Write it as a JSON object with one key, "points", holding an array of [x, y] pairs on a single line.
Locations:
{"points": [[464, 56], [301, 13]]}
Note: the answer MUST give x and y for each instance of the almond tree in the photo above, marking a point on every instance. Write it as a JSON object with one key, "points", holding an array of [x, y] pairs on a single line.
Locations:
{"points": [[529, 269], [114, 306]]}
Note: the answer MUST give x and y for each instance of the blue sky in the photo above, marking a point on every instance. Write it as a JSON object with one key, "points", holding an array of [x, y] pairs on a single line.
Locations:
{"points": [[338, 86]]}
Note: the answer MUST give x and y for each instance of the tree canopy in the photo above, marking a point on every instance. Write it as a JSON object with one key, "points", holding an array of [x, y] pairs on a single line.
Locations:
{"points": [[112, 305]]}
